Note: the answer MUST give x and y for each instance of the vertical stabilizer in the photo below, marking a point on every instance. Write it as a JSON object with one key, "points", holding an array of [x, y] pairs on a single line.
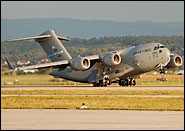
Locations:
{"points": [[53, 46]]}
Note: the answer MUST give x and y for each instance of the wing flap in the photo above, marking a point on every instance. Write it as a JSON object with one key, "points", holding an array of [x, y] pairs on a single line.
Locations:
{"points": [[56, 64]]}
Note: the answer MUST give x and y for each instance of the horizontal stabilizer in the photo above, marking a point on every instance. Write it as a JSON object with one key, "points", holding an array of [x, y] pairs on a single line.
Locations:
{"points": [[62, 38], [37, 37], [29, 38]]}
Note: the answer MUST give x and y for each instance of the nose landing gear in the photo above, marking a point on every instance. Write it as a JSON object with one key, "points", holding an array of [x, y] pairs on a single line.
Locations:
{"points": [[162, 71]]}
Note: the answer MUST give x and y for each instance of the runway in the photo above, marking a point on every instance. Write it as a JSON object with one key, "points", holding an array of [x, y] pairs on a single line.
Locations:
{"points": [[91, 88], [99, 95], [51, 119]]}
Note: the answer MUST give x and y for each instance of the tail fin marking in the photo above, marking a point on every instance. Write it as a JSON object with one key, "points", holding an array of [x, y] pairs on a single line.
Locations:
{"points": [[51, 44], [53, 47]]}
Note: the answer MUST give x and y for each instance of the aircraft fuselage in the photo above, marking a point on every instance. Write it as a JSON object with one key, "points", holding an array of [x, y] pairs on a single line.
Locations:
{"points": [[101, 70], [134, 61]]}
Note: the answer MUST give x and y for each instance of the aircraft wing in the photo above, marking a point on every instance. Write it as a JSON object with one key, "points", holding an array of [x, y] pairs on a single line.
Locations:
{"points": [[57, 64], [93, 57], [45, 65]]}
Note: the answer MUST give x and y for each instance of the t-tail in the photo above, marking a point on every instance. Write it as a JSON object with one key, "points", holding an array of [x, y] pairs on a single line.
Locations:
{"points": [[53, 47], [51, 44]]}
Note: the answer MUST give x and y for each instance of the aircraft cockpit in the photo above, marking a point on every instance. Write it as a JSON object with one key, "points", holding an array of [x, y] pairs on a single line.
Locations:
{"points": [[159, 46]]}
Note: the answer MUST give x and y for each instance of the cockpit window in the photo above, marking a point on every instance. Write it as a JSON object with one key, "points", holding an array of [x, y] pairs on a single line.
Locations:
{"points": [[162, 46], [157, 47]]}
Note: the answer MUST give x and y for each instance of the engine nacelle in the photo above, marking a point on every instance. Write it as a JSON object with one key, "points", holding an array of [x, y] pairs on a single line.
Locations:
{"points": [[111, 59], [175, 61], [80, 63]]}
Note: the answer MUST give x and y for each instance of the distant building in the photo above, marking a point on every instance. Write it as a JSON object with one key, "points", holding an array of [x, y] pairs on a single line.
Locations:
{"points": [[22, 62], [30, 71], [42, 61]]}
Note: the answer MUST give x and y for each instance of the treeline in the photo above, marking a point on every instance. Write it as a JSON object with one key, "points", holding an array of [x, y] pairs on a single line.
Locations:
{"points": [[30, 50]]}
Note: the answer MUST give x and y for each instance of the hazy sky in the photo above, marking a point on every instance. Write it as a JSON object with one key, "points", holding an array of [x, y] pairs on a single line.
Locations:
{"points": [[158, 11]]}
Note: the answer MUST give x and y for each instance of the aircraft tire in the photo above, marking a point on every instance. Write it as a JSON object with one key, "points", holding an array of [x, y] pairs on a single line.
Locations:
{"points": [[122, 83], [126, 82], [130, 82], [109, 82], [134, 82]]}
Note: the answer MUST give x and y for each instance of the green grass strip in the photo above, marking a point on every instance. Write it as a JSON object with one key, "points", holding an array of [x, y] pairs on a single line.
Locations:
{"points": [[92, 102]]}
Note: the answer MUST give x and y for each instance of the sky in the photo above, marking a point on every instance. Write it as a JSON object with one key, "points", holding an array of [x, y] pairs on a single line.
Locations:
{"points": [[123, 11]]}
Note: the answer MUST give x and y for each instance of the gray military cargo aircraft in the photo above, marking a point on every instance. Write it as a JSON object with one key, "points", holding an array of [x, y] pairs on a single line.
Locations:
{"points": [[121, 67]]}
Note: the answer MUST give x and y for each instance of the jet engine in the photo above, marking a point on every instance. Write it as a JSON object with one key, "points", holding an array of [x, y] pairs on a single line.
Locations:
{"points": [[80, 63], [175, 61], [111, 59]]}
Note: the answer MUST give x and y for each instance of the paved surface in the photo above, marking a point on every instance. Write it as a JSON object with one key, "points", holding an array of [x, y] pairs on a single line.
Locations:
{"points": [[99, 95], [92, 88], [23, 119]]}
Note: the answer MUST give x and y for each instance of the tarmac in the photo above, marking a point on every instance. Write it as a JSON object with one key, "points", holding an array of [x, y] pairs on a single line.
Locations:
{"points": [[65, 119], [52, 119], [91, 88]]}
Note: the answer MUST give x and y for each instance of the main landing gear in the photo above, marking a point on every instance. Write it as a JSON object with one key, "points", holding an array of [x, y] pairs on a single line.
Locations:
{"points": [[103, 83], [127, 82]]}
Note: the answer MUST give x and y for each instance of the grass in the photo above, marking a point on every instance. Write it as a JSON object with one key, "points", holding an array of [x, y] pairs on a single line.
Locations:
{"points": [[72, 99], [161, 83], [47, 80], [35, 79], [92, 102]]}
